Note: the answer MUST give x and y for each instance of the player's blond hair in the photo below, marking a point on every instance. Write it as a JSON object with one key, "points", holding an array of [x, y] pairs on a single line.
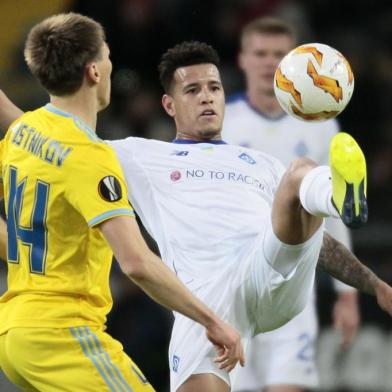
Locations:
{"points": [[58, 49], [267, 25]]}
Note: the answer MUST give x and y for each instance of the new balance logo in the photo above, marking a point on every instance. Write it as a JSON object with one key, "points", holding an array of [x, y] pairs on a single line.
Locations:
{"points": [[180, 153]]}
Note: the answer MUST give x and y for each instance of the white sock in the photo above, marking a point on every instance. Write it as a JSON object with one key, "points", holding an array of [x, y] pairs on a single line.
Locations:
{"points": [[315, 192]]}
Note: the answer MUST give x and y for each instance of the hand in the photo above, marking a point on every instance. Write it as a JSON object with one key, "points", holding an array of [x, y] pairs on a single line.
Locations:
{"points": [[9, 112], [346, 316], [384, 296], [227, 342]]}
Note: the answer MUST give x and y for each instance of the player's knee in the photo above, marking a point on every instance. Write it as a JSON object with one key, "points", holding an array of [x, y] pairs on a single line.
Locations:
{"points": [[300, 166], [297, 170]]}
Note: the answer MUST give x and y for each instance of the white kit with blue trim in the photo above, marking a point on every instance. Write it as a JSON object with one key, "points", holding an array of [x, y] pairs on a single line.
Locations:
{"points": [[208, 206]]}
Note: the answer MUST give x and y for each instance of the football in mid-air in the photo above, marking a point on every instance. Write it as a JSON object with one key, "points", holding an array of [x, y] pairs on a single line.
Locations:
{"points": [[314, 82]]}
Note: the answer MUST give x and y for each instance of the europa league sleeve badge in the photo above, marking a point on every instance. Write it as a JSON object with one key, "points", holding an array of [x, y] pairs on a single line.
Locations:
{"points": [[109, 189]]}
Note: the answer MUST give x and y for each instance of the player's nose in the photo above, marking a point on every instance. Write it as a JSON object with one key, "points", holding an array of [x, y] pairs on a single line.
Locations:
{"points": [[206, 96]]}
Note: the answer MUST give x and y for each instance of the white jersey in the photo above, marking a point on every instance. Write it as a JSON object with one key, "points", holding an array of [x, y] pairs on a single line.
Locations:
{"points": [[285, 137], [208, 206], [169, 184]]}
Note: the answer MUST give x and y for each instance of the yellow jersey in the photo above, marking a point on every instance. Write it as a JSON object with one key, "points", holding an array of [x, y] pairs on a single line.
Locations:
{"points": [[60, 181]]}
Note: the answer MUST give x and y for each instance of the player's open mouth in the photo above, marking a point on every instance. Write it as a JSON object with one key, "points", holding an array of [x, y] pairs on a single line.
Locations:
{"points": [[208, 112]]}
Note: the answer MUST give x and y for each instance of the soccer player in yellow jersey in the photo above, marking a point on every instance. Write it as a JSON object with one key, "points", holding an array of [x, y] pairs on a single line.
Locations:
{"points": [[66, 204]]}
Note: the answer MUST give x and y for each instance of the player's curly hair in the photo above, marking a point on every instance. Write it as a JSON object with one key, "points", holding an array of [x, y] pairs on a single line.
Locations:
{"points": [[182, 55], [58, 49]]}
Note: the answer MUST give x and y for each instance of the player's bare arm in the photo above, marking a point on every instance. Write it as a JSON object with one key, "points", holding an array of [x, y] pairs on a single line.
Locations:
{"points": [[339, 262], [9, 112], [141, 265]]}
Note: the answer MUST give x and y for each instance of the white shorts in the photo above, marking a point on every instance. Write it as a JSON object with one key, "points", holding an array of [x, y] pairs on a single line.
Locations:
{"points": [[285, 356], [253, 297]]}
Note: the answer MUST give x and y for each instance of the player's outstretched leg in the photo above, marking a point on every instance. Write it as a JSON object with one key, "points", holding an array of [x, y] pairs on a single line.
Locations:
{"points": [[348, 168], [308, 192]]}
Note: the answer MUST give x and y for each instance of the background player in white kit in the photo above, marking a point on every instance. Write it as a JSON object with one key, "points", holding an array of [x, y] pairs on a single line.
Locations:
{"points": [[223, 217], [283, 360]]}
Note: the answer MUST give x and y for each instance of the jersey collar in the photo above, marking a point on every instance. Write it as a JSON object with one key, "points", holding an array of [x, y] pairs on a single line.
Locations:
{"points": [[78, 122], [187, 141]]}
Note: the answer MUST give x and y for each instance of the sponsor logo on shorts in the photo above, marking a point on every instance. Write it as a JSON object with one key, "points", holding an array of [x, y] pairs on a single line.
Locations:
{"points": [[109, 189], [176, 363], [247, 158]]}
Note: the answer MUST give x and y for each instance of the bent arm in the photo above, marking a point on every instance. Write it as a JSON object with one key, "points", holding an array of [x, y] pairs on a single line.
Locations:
{"points": [[148, 271], [141, 265], [9, 112]]}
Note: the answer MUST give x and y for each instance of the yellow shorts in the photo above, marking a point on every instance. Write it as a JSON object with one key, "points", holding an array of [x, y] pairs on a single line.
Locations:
{"points": [[79, 359]]}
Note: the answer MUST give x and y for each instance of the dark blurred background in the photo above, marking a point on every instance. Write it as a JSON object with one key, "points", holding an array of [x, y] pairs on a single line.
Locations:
{"points": [[138, 32]]}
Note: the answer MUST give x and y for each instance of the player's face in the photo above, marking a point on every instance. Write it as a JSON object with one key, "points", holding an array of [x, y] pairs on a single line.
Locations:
{"points": [[197, 102], [260, 56], [105, 70]]}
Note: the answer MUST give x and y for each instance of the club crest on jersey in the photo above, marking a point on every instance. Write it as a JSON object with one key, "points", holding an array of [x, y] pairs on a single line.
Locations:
{"points": [[247, 158], [180, 153], [109, 189]]}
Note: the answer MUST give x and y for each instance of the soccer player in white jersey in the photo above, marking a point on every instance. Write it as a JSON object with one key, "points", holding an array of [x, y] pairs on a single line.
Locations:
{"points": [[283, 360], [239, 231]]}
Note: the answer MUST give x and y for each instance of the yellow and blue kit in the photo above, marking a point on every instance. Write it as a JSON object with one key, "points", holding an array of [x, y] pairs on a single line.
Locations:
{"points": [[60, 182]]}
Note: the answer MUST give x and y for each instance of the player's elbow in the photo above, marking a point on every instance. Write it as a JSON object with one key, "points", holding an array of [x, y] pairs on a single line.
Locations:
{"points": [[134, 267]]}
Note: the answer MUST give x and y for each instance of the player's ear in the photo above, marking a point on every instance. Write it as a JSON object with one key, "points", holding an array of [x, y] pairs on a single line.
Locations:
{"points": [[92, 73], [168, 105], [241, 60]]}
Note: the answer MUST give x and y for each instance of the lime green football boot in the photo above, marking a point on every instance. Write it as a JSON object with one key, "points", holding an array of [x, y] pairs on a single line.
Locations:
{"points": [[348, 167]]}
